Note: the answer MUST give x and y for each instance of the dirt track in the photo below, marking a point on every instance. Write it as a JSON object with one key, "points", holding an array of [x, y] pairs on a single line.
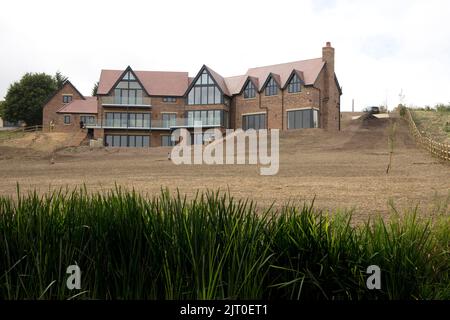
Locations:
{"points": [[345, 170]]}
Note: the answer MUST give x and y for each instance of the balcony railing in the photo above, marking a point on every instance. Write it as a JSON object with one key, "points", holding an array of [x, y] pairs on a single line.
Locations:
{"points": [[112, 101], [154, 124], [111, 124]]}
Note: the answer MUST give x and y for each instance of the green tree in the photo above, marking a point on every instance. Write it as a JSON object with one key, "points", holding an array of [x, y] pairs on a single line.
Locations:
{"points": [[25, 99], [94, 89], [60, 79], [2, 107]]}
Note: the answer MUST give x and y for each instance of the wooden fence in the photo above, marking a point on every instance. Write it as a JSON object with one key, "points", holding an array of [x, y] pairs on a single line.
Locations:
{"points": [[19, 132], [437, 149]]}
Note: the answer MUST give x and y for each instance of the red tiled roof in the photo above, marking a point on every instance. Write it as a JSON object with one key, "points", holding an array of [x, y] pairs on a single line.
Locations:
{"points": [[161, 83], [89, 105], [310, 68], [157, 83], [235, 84], [220, 81], [277, 79]]}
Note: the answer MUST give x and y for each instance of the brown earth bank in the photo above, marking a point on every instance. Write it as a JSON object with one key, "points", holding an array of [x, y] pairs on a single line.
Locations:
{"points": [[340, 170]]}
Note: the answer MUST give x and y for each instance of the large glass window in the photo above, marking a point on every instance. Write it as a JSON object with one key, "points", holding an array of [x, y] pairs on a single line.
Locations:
{"points": [[169, 120], [138, 141], [294, 84], [128, 91], [130, 120], [88, 119], [166, 141], [271, 88], [145, 141], [303, 119], [315, 118], [123, 119], [249, 91], [208, 117], [254, 121], [204, 91], [109, 119]]}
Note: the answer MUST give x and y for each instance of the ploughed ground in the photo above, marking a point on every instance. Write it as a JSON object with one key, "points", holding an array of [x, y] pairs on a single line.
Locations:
{"points": [[345, 170]]}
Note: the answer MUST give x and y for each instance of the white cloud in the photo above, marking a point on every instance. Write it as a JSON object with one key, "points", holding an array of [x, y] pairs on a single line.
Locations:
{"points": [[381, 46]]}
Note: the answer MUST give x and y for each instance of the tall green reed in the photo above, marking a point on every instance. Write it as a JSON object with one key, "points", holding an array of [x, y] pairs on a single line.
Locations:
{"points": [[211, 247]]}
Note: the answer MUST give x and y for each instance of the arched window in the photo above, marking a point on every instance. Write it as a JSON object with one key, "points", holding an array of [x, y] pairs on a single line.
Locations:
{"points": [[128, 90], [294, 84], [205, 91], [271, 88], [249, 91]]}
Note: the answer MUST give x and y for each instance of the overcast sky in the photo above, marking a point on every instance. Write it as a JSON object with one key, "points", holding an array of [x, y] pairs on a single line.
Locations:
{"points": [[382, 46]]}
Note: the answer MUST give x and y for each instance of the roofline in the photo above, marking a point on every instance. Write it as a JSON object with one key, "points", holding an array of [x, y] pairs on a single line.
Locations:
{"points": [[194, 80], [338, 85], [57, 91], [279, 64], [318, 74], [249, 78], [120, 79], [215, 81], [76, 112], [271, 74], [297, 72], [66, 105]]}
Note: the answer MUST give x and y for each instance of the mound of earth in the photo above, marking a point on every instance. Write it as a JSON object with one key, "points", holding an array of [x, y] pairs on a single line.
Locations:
{"points": [[368, 120], [40, 141]]}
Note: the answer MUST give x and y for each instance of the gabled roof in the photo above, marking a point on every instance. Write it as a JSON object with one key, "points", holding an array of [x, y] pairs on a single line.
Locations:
{"points": [[87, 105], [161, 83], [338, 85], [310, 68], [217, 78], [156, 83], [220, 81], [237, 83], [67, 82], [299, 74], [275, 77]]}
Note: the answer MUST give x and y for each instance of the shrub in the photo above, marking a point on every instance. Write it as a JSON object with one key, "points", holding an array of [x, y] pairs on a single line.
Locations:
{"points": [[443, 108], [402, 110]]}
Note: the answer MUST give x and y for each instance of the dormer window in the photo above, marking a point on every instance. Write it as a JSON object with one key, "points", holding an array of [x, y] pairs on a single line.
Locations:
{"points": [[204, 91], [250, 91], [271, 88], [294, 84]]}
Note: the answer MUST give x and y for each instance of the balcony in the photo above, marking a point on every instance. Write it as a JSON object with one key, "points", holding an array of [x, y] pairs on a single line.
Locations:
{"points": [[135, 102], [192, 123], [154, 124], [108, 124]]}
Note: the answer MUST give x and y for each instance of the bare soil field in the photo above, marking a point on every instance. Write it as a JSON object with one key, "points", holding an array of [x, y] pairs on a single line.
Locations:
{"points": [[345, 170]]}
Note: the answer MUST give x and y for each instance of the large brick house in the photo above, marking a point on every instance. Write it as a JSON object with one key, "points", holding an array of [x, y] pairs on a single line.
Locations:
{"points": [[141, 108]]}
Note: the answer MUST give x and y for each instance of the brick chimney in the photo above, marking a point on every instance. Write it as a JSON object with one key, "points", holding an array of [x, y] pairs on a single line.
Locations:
{"points": [[328, 57], [330, 113]]}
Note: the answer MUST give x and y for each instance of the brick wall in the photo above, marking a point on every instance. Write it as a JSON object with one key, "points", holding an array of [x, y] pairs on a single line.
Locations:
{"points": [[276, 106], [56, 103]]}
